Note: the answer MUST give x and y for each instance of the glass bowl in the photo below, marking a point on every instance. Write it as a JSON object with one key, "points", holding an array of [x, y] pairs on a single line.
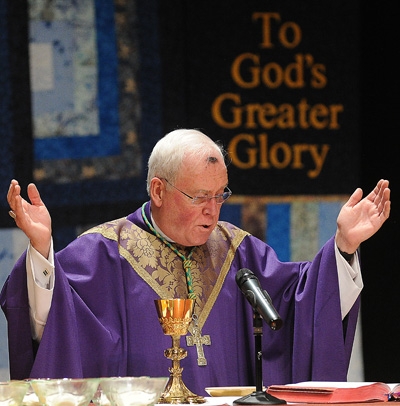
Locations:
{"points": [[65, 392], [30, 398], [133, 391], [12, 392]]}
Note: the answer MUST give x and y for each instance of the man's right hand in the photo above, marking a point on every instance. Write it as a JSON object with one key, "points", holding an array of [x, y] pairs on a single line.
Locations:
{"points": [[31, 217]]}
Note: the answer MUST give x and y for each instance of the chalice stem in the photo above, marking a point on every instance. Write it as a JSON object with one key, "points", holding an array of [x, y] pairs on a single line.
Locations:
{"points": [[176, 391], [176, 344]]}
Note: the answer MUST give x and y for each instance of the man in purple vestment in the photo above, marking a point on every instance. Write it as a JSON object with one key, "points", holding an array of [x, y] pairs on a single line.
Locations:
{"points": [[88, 310]]}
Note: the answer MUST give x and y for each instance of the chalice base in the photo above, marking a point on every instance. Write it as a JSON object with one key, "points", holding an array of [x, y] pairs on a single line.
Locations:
{"points": [[176, 392]]}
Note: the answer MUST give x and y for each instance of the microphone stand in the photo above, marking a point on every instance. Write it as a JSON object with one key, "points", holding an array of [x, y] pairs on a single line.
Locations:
{"points": [[259, 397]]}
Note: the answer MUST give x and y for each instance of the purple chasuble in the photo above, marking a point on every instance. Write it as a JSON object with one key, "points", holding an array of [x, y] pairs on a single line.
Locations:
{"points": [[103, 320]]}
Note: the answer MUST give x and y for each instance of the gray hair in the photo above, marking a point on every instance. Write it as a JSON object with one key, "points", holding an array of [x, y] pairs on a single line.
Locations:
{"points": [[169, 152]]}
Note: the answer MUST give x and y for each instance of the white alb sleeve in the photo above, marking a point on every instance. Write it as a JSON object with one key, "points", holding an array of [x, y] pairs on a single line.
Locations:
{"points": [[350, 280], [40, 279]]}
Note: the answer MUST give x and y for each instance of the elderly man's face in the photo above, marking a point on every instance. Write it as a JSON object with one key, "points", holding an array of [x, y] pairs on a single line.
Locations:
{"points": [[187, 223]]}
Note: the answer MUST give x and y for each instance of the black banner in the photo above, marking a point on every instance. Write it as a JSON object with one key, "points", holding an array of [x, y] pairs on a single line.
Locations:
{"points": [[276, 82]]}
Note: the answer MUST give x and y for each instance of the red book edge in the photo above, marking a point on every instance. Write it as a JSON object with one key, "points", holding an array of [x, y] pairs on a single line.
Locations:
{"points": [[374, 392]]}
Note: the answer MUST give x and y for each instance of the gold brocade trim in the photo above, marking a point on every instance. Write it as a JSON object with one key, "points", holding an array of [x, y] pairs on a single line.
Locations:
{"points": [[162, 269], [237, 238]]}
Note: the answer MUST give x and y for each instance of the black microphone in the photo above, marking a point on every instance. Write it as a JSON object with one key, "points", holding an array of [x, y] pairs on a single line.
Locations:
{"points": [[258, 298]]}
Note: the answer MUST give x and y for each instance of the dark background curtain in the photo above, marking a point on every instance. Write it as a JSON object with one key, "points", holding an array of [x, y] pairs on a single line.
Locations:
{"points": [[379, 159]]}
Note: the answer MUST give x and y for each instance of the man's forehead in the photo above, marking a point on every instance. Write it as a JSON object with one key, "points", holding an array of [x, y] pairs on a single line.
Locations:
{"points": [[203, 187]]}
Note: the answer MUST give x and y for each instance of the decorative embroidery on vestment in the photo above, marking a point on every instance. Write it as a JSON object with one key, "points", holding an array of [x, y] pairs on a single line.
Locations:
{"points": [[162, 269], [186, 258]]}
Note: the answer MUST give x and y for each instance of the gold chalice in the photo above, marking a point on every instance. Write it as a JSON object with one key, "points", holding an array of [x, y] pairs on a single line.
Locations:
{"points": [[175, 316]]}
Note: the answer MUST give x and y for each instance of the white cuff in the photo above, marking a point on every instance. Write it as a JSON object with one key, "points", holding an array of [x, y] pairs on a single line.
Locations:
{"points": [[350, 281]]}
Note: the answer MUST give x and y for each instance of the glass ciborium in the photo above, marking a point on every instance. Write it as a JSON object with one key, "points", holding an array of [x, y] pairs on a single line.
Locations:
{"points": [[175, 315]]}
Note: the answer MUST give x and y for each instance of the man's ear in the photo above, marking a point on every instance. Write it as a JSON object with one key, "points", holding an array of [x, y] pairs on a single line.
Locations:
{"points": [[157, 191]]}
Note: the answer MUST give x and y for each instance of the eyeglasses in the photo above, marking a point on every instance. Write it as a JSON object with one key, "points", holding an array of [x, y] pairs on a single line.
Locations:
{"points": [[200, 200]]}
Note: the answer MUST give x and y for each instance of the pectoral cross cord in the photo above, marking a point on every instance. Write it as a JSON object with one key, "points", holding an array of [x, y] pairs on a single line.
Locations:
{"points": [[187, 261], [196, 338]]}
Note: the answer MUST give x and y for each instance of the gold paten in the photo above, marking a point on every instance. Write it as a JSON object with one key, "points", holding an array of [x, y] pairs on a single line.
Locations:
{"points": [[175, 315]]}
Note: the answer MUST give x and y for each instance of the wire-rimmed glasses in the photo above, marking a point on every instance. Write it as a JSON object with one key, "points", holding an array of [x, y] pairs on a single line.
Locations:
{"points": [[200, 200]]}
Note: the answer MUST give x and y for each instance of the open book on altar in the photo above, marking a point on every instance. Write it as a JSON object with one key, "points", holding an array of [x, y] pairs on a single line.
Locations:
{"points": [[336, 392]]}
